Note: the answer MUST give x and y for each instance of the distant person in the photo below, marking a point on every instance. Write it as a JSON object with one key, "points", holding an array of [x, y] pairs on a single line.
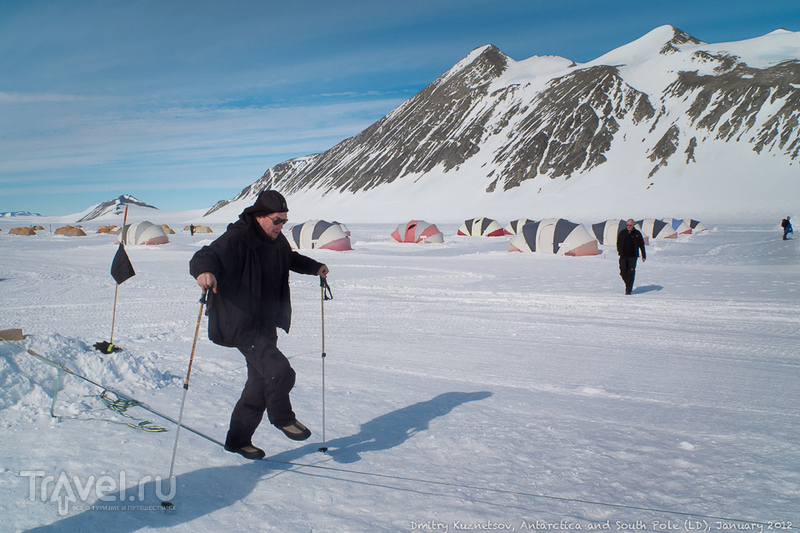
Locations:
{"points": [[629, 242], [191, 229], [245, 273], [786, 224]]}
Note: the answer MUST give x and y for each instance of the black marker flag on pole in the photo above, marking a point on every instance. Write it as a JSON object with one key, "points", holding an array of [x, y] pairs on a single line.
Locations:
{"points": [[121, 267], [121, 271]]}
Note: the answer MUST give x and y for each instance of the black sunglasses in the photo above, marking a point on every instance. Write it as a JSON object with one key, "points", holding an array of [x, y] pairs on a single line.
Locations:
{"points": [[279, 221]]}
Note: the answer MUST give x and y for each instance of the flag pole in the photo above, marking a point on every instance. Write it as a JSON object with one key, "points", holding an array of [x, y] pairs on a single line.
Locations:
{"points": [[116, 290]]}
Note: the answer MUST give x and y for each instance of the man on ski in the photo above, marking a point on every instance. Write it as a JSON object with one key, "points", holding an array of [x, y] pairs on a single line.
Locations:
{"points": [[629, 242], [786, 224], [245, 273]]}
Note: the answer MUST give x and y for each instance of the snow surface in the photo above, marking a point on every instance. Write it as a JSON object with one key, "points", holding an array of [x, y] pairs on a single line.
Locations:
{"points": [[466, 388]]}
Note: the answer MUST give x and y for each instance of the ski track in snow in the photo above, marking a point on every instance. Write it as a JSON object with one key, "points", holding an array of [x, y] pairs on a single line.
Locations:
{"points": [[464, 385]]}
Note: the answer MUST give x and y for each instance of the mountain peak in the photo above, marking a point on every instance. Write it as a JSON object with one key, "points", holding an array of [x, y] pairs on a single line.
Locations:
{"points": [[115, 206]]}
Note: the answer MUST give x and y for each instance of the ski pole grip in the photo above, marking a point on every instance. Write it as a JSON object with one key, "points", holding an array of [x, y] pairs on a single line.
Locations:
{"points": [[326, 289]]}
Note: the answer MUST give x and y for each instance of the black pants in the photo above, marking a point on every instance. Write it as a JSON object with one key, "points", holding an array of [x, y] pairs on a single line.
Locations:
{"points": [[627, 271], [270, 378]]}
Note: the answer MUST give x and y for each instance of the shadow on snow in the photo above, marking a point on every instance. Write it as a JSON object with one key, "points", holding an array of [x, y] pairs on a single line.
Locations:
{"points": [[231, 484]]}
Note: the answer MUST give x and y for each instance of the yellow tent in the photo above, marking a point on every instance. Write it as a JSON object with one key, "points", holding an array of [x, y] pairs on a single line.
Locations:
{"points": [[71, 231], [107, 229], [167, 229], [22, 231], [198, 229]]}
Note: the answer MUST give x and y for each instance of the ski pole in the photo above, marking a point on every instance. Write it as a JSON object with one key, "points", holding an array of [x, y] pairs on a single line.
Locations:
{"points": [[326, 294], [168, 504]]}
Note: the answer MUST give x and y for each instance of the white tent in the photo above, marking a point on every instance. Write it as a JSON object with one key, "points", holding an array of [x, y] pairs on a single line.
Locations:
{"points": [[143, 233], [555, 235], [319, 234]]}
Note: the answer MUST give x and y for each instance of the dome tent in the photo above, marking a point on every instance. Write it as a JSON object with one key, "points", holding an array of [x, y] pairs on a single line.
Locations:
{"points": [[481, 227], [656, 229], [143, 233], [606, 232], [320, 234], [71, 231], [515, 226], [696, 226], [417, 231], [555, 235], [680, 226]]}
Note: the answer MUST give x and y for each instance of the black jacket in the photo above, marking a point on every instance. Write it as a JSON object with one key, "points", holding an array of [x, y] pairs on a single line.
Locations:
{"points": [[252, 272], [630, 242]]}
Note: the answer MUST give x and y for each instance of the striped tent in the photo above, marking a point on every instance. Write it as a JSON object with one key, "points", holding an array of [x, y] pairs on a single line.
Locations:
{"points": [[679, 225], [515, 226], [418, 231], [481, 227], [320, 234], [696, 226], [557, 236], [606, 232], [654, 228], [107, 229]]}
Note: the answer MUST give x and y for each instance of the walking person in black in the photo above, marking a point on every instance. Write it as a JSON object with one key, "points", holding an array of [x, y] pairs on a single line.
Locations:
{"points": [[629, 242], [245, 273]]}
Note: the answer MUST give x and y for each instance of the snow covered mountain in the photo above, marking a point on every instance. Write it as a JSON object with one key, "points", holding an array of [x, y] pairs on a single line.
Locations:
{"points": [[664, 126], [112, 207], [13, 214]]}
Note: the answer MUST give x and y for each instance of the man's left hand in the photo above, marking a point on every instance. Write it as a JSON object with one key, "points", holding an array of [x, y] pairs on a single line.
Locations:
{"points": [[323, 271]]}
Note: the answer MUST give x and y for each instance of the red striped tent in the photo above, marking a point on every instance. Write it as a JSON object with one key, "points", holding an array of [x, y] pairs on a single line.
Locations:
{"points": [[417, 231]]}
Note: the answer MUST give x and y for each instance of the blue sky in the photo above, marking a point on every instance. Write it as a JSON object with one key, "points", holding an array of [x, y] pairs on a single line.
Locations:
{"points": [[184, 103]]}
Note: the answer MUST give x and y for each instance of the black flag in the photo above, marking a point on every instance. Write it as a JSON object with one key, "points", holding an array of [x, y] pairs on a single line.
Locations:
{"points": [[121, 267]]}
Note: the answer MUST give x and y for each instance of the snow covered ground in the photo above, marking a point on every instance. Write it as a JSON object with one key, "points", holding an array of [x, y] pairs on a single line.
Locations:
{"points": [[467, 388]]}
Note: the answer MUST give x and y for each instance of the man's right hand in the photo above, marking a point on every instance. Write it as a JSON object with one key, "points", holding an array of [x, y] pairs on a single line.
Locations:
{"points": [[206, 281]]}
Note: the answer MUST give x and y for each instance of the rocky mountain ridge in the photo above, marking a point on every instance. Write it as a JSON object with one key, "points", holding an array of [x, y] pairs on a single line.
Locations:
{"points": [[662, 107]]}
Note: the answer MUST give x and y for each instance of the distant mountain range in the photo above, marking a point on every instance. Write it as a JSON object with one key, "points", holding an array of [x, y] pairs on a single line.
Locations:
{"points": [[12, 214], [665, 123]]}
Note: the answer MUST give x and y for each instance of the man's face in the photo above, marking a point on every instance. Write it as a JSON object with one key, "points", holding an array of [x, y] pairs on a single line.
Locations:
{"points": [[629, 225], [272, 224]]}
